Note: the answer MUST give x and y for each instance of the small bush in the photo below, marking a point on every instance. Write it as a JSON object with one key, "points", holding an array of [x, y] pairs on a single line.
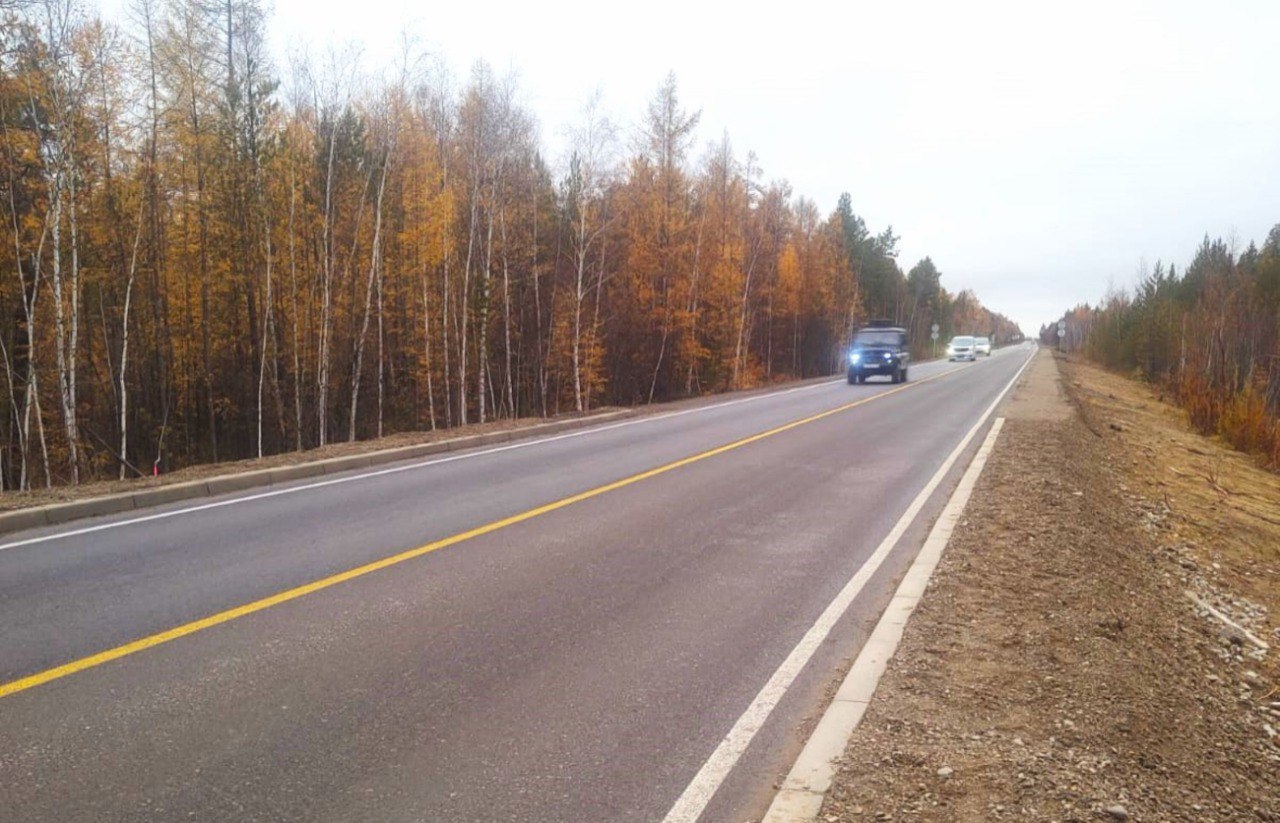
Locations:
{"points": [[1246, 424]]}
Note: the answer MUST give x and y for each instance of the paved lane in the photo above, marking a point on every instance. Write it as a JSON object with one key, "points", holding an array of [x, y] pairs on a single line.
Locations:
{"points": [[579, 665]]}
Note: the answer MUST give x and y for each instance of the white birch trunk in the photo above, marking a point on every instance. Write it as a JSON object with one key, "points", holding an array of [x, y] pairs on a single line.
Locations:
{"points": [[374, 266], [124, 348]]}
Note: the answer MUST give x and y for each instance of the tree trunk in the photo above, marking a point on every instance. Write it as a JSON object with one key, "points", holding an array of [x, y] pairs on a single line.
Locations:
{"points": [[124, 350], [326, 296], [506, 317], [375, 260], [297, 335]]}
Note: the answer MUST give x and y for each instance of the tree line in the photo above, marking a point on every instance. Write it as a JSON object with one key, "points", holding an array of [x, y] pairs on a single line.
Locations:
{"points": [[205, 262], [1210, 336]]}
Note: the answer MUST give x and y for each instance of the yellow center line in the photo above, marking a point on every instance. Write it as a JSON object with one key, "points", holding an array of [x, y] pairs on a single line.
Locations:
{"points": [[141, 644]]}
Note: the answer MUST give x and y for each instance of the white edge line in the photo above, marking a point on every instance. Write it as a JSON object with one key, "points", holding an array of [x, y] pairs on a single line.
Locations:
{"points": [[524, 444], [694, 799], [806, 785]]}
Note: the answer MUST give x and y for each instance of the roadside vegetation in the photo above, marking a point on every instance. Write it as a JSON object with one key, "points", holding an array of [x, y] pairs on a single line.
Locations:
{"points": [[1209, 337], [210, 259]]}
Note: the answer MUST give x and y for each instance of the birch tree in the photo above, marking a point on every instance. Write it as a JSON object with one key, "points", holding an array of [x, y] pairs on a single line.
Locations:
{"points": [[591, 169]]}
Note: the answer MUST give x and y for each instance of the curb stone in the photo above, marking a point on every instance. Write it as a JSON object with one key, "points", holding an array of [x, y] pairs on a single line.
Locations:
{"points": [[58, 513], [54, 514], [800, 798]]}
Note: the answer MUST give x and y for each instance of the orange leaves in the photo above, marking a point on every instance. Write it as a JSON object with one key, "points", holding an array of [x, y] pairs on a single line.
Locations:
{"points": [[279, 268], [1212, 336]]}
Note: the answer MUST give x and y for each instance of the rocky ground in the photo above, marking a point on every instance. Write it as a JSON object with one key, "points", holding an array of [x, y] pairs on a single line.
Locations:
{"points": [[1066, 664]]}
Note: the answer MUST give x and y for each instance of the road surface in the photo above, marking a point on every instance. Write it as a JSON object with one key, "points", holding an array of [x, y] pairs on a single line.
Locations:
{"points": [[616, 599]]}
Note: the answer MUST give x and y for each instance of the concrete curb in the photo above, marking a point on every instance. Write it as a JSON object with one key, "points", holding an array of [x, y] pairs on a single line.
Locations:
{"points": [[57, 513], [800, 798]]}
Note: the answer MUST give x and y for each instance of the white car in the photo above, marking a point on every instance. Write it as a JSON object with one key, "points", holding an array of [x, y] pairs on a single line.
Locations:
{"points": [[982, 345], [961, 348]]}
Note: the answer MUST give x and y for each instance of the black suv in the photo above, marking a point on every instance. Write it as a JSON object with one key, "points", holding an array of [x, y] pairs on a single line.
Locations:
{"points": [[879, 349]]}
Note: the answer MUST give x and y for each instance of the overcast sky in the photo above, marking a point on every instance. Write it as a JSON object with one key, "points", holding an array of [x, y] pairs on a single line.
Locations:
{"points": [[1036, 155]]}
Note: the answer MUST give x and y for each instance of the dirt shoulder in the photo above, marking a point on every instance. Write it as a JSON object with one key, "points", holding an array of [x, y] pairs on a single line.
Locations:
{"points": [[1056, 669]]}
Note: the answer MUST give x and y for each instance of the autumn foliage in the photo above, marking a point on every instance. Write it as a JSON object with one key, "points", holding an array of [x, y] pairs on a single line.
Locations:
{"points": [[205, 262], [1209, 337]]}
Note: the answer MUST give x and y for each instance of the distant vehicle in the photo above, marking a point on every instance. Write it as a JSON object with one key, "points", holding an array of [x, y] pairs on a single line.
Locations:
{"points": [[982, 345], [880, 348], [961, 348]]}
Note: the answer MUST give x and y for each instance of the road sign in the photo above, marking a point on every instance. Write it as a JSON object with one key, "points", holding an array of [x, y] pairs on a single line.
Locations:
{"points": [[1062, 325], [934, 329], [934, 334], [1062, 331]]}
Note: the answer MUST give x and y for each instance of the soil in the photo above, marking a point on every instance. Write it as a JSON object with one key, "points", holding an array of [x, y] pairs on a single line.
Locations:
{"points": [[1056, 669]]}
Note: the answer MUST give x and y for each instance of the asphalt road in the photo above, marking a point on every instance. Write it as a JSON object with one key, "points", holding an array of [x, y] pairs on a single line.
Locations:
{"points": [[580, 664]]}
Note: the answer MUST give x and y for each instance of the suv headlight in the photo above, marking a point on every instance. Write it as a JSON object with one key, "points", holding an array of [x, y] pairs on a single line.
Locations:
{"points": [[854, 357]]}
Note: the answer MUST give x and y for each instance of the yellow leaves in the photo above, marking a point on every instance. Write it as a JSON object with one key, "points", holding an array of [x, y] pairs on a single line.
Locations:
{"points": [[790, 281], [493, 271], [428, 204]]}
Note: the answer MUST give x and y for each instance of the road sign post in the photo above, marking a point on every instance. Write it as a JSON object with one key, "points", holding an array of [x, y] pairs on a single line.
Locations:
{"points": [[933, 335]]}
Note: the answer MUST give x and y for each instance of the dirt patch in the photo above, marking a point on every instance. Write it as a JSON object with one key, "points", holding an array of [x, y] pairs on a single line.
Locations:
{"points": [[1039, 394], [1056, 670], [1223, 508]]}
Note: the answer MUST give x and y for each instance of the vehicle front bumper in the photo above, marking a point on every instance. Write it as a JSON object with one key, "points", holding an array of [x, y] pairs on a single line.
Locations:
{"points": [[875, 367]]}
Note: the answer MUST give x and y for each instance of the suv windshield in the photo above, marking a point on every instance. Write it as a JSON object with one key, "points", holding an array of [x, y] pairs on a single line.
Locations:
{"points": [[877, 338]]}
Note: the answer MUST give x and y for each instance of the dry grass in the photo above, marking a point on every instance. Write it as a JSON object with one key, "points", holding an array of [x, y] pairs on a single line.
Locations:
{"points": [[1055, 667], [1055, 671], [1224, 501], [1243, 419]]}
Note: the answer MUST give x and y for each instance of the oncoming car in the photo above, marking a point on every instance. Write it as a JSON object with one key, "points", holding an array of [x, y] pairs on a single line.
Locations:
{"points": [[962, 348], [982, 345], [879, 349]]}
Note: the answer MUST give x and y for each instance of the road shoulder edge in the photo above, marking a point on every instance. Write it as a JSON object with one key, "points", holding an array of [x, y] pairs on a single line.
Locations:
{"points": [[806, 784], [54, 514]]}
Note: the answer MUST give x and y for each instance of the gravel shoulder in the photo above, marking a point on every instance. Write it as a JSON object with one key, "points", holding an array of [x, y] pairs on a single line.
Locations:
{"points": [[1057, 669]]}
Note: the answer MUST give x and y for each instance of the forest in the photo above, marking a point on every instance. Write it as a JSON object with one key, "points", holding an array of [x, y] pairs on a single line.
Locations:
{"points": [[1209, 337], [207, 258]]}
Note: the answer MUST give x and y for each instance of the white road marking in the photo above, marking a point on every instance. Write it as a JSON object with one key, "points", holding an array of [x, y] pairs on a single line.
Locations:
{"points": [[693, 801], [806, 785], [524, 444]]}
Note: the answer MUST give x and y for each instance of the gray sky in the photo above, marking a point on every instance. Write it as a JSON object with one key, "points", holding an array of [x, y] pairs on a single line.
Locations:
{"points": [[1037, 155]]}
